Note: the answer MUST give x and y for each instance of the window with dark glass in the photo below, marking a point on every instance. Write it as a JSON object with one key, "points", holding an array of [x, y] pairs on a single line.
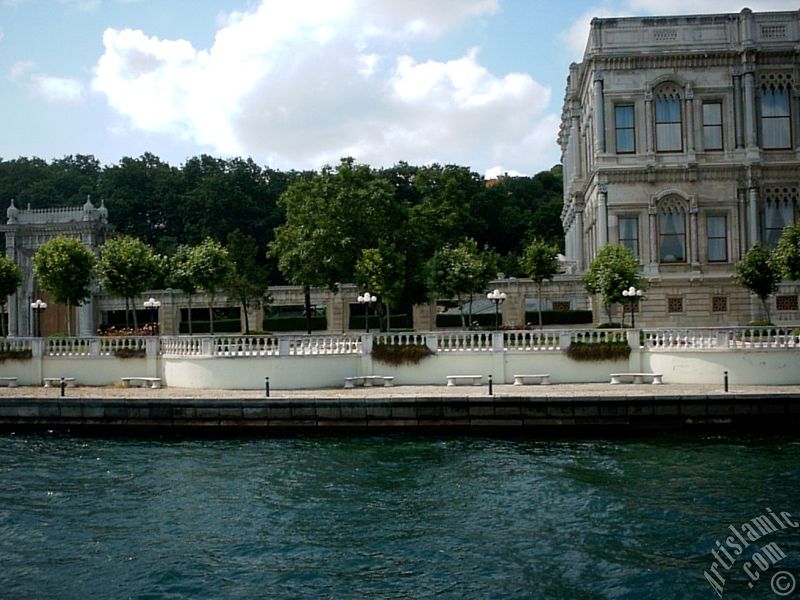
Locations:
{"points": [[777, 215], [668, 123], [629, 234], [776, 128], [717, 237], [672, 234], [625, 132], [712, 126]]}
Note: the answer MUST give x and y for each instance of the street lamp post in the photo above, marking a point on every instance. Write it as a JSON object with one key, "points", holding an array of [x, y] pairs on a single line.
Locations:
{"points": [[498, 298], [38, 306], [366, 299], [633, 294], [153, 305]]}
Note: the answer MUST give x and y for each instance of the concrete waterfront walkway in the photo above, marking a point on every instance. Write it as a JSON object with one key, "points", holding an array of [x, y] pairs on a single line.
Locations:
{"points": [[555, 391]]}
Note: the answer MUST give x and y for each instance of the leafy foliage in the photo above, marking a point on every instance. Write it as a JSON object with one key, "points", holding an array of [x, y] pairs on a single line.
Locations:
{"points": [[248, 279], [209, 268], [540, 262], [787, 253], [756, 272], [64, 268], [393, 354], [461, 272], [127, 267], [612, 271], [10, 279]]}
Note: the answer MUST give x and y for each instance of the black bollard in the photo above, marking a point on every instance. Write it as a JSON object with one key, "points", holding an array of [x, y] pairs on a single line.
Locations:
{"points": [[726, 381], [490, 385], [63, 385], [266, 386]]}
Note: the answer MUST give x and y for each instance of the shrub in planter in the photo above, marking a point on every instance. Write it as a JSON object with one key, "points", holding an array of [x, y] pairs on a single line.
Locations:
{"points": [[15, 354], [410, 354], [130, 353], [582, 351]]}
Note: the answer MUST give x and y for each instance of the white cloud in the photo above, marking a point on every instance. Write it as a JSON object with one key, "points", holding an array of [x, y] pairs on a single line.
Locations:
{"points": [[57, 89], [20, 68], [303, 83]]}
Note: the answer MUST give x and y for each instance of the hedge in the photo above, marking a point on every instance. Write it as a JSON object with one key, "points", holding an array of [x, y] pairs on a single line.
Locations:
{"points": [[220, 326], [318, 323], [454, 320], [559, 317]]}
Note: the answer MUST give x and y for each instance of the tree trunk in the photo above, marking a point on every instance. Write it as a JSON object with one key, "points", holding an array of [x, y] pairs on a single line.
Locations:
{"points": [[307, 303], [388, 318], [461, 310], [608, 312], [211, 315], [539, 305], [3, 330], [135, 320], [470, 311], [190, 313], [127, 316], [246, 319], [766, 308], [69, 319]]}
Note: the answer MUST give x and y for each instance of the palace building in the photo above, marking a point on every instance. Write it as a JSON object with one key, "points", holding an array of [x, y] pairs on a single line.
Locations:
{"points": [[680, 139]]}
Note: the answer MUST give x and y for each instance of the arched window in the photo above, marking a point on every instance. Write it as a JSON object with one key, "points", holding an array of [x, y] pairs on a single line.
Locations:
{"points": [[668, 119], [672, 230], [776, 128]]}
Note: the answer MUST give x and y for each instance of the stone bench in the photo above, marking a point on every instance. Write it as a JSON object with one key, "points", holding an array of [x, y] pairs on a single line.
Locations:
{"points": [[151, 382], [8, 381], [369, 380], [466, 379], [636, 378], [56, 381], [542, 379]]}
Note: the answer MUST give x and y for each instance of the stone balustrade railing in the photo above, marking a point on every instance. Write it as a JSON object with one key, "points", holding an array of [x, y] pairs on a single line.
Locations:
{"points": [[545, 340]]}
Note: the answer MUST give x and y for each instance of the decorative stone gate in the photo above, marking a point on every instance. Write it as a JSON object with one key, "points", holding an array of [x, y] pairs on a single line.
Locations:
{"points": [[25, 230]]}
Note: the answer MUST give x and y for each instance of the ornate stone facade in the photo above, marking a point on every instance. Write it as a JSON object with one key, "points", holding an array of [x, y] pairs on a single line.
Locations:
{"points": [[25, 230], [680, 139]]}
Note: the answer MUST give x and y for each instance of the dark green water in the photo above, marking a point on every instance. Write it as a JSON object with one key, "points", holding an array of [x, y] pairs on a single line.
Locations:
{"points": [[386, 517]]}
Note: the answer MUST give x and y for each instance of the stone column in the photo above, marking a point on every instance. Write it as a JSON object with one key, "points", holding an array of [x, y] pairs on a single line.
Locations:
{"points": [[13, 299], [85, 318], [652, 215], [742, 221], [752, 217], [579, 238], [575, 144], [602, 215], [694, 234], [751, 138], [737, 110], [690, 121], [796, 94], [599, 114], [648, 121]]}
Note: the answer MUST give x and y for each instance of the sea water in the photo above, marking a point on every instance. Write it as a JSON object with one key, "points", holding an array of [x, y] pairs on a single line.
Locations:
{"points": [[391, 516]]}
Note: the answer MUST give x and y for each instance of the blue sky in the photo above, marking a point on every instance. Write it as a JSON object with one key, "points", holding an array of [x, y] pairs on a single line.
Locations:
{"points": [[300, 83]]}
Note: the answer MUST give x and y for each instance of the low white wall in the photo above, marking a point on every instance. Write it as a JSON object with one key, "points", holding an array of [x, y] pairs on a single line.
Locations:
{"points": [[100, 370], [753, 367], [248, 373]]}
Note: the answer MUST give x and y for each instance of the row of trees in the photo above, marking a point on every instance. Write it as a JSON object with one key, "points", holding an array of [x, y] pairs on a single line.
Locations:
{"points": [[127, 267], [206, 197], [760, 270]]}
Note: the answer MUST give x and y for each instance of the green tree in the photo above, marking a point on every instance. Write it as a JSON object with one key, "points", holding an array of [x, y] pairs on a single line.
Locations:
{"points": [[330, 218], [127, 267], [248, 280], [540, 262], [64, 268], [210, 267], [382, 271], [757, 272], [612, 271], [461, 272], [182, 277], [787, 253], [10, 278]]}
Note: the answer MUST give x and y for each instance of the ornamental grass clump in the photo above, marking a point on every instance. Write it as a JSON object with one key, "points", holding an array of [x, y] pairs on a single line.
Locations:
{"points": [[582, 351], [409, 354]]}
